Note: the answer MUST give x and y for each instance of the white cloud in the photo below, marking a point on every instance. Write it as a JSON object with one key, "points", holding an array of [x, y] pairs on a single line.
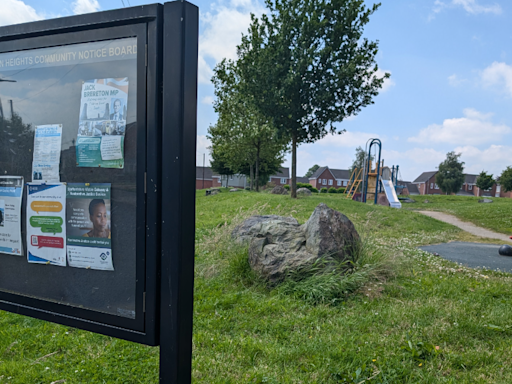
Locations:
{"points": [[16, 12], [470, 6], [388, 83], [348, 139], [202, 148], [85, 6], [208, 100], [222, 32], [493, 159], [455, 81], [498, 74], [475, 128]]}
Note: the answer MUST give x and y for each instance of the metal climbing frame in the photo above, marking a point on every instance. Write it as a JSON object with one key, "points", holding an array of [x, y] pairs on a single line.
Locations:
{"points": [[372, 176]]}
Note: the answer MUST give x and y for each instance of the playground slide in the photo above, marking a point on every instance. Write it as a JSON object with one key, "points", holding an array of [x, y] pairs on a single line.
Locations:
{"points": [[391, 194]]}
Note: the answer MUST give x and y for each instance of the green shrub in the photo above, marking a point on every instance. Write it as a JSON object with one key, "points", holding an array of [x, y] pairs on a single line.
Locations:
{"points": [[332, 190], [287, 187], [313, 189], [323, 190], [342, 190], [305, 185]]}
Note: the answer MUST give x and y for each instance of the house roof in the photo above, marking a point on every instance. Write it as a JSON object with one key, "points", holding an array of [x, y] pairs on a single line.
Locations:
{"points": [[207, 173], [470, 179], [283, 172], [336, 173], [412, 188], [341, 173], [423, 178], [302, 180]]}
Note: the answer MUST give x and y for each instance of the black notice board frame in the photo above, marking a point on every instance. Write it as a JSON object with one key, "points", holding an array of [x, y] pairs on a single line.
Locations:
{"points": [[166, 153]]}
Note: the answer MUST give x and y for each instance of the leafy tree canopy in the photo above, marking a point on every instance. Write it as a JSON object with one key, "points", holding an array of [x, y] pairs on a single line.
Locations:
{"points": [[484, 181], [450, 177], [312, 170], [306, 66], [506, 179]]}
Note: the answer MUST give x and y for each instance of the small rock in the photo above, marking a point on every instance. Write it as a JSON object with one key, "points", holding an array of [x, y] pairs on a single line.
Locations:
{"points": [[235, 190], [426, 202], [485, 201], [303, 192], [279, 190]]}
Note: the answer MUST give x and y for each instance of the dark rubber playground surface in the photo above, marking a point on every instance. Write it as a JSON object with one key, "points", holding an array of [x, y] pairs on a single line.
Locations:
{"points": [[473, 255]]}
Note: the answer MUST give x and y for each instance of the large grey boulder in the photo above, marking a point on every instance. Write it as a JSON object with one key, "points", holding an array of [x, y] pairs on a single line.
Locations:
{"points": [[278, 245], [303, 192], [244, 232], [277, 248], [278, 190], [330, 233]]}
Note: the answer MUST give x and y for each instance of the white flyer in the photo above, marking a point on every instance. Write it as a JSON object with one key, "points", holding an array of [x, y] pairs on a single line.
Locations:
{"points": [[47, 147], [11, 192], [46, 231], [111, 148]]}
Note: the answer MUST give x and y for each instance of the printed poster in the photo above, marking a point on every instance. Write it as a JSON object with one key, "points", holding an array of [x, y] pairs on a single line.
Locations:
{"points": [[47, 147], [88, 222], [46, 232], [11, 192], [102, 123]]}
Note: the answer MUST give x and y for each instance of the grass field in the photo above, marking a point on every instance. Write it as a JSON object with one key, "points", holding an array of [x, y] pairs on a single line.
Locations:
{"points": [[430, 321]]}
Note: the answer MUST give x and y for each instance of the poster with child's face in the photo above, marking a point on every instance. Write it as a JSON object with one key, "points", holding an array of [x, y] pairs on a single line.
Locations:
{"points": [[88, 224], [2, 212]]}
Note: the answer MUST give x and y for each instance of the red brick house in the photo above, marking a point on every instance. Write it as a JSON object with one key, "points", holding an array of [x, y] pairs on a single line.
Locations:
{"points": [[206, 174], [325, 177], [281, 178], [426, 183]]}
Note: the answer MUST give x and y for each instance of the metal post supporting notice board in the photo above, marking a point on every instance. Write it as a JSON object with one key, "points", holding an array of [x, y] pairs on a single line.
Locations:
{"points": [[178, 160]]}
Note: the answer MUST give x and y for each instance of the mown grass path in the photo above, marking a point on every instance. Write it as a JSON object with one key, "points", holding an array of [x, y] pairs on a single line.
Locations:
{"points": [[465, 226]]}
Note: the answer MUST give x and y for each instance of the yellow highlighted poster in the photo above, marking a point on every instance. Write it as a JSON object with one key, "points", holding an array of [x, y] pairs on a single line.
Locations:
{"points": [[46, 229]]}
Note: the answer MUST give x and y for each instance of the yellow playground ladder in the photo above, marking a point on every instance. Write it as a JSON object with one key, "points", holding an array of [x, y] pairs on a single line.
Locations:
{"points": [[353, 183]]}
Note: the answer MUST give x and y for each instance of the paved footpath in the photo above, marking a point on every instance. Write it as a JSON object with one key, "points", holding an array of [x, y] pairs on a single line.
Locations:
{"points": [[464, 225]]}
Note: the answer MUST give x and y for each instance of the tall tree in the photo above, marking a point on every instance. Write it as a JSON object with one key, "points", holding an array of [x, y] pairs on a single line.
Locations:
{"points": [[506, 179], [306, 67], [247, 138], [485, 181], [312, 170], [358, 162], [450, 177]]}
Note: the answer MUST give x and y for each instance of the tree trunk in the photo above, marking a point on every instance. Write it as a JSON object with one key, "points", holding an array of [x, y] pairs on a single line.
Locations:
{"points": [[294, 166], [251, 176], [258, 169]]}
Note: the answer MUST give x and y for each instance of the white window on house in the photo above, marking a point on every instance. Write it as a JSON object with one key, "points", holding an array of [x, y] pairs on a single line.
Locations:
{"points": [[231, 177], [330, 182], [437, 186], [340, 183], [470, 187], [431, 185], [283, 181], [324, 182]]}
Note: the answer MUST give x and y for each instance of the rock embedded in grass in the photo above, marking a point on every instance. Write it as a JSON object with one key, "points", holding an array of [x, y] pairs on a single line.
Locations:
{"points": [[278, 190], [244, 232], [279, 245], [303, 192]]}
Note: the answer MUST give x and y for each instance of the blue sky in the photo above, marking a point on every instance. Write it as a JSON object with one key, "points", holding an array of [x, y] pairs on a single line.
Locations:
{"points": [[450, 88]]}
